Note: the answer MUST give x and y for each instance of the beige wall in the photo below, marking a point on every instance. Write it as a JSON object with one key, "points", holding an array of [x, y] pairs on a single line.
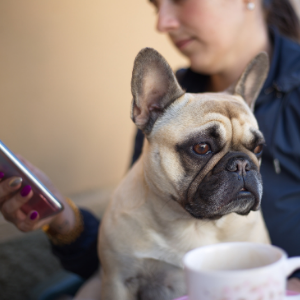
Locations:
{"points": [[65, 68]]}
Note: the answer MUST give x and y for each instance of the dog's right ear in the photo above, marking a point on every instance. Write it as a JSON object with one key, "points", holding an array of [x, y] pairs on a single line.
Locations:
{"points": [[253, 78], [153, 86]]}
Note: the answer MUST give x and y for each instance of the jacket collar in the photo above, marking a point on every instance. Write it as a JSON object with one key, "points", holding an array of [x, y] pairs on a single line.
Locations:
{"points": [[284, 74]]}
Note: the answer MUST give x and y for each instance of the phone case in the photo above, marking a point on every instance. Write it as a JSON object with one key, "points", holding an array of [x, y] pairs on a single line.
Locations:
{"points": [[42, 200]]}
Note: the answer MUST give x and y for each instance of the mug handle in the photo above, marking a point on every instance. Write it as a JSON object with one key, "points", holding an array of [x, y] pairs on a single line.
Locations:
{"points": [[291, 265]]}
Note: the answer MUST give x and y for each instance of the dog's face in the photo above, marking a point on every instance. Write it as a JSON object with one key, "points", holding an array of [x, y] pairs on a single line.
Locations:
{"points": [[203, 150]]}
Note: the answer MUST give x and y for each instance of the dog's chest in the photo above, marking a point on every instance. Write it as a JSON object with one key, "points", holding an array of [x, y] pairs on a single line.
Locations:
{"points": [[170, 244], [160, 249], [157, 280], [160, 274]]}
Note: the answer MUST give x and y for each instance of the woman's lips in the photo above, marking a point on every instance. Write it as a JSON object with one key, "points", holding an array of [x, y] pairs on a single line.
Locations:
{"points": [[183, 43]]}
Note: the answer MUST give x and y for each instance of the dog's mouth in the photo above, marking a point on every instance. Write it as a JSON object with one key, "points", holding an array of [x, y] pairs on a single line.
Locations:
{"points": [[241, 201], [244, 192], [245, 202]]}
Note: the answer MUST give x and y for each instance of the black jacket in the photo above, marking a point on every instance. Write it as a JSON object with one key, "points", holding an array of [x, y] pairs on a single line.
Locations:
{"points": [[278, 113]]}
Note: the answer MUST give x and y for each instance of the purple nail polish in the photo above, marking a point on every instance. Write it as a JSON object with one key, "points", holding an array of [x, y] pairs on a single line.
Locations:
{"points": [[33, 215], [25, 190], [1, 175]]}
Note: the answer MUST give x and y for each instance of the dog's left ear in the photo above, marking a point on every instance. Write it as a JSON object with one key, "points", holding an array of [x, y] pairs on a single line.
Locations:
{"points": [[253, 78], [153, 86]]}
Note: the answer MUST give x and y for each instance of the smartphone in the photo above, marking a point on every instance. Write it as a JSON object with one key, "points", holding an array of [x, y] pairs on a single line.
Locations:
{"points": [[42, 200]]}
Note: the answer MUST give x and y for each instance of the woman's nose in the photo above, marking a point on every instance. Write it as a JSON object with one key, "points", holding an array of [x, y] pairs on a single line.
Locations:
{"points": [[167, 18]]}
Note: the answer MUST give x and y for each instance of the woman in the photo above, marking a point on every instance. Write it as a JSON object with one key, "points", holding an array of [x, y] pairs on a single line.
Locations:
{"points": [[219, 37]]}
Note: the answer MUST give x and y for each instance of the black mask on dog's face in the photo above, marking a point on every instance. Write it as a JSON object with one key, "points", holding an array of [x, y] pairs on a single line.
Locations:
{"points": [[218, 178], [233, 185]]}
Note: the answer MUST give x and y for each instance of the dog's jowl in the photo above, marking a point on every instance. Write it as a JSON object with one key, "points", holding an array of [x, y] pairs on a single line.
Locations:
{"points": [[196, 183]]}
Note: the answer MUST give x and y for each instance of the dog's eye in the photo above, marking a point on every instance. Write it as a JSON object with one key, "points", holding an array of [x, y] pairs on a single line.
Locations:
{"points": [[202, 148], [258, 149]]}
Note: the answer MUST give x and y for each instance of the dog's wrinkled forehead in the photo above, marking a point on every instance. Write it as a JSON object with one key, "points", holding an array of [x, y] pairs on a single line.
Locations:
{"points": [[228, 116]]}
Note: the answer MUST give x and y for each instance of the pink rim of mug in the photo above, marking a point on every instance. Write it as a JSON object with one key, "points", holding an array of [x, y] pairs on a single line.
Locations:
{"points": [[288, 293], [292, 293]]}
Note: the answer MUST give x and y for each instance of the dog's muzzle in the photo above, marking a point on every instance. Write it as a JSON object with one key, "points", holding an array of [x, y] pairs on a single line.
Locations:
{"points": [[234, 185]]}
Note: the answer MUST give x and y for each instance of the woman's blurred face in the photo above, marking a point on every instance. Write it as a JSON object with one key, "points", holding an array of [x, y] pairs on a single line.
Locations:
{"points": [[209, 32]]}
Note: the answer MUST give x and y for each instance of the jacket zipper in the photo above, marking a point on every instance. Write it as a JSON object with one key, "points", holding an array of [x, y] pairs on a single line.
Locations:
{"points": [[279, 94]]}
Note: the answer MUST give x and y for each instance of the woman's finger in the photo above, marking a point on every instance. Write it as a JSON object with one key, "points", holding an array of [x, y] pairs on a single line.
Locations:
{"points": [[11, 206], [8, 187], [30, 222]]}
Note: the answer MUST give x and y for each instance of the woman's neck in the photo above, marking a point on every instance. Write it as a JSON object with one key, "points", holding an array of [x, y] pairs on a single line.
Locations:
{"points": [[224, 79]]}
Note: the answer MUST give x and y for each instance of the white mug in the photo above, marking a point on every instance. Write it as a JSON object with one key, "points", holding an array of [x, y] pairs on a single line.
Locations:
{"points": [[235, 271]]}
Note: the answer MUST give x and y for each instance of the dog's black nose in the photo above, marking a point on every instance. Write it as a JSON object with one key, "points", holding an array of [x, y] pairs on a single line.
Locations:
{"points": [[238, 165]]}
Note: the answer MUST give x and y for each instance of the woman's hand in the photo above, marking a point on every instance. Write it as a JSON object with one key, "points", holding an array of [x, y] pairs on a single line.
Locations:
{"points": [[12, 198]]}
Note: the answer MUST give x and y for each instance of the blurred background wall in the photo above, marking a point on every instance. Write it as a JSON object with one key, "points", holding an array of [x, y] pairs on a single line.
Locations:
{"points": [[65, 70]]}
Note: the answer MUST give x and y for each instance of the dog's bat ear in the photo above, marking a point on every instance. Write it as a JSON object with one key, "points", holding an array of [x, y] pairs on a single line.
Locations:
{"points": [[153, 86], [253, 78]]}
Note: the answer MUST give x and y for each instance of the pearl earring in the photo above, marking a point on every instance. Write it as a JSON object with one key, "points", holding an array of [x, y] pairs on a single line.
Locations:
{"points": [[250, 5]]}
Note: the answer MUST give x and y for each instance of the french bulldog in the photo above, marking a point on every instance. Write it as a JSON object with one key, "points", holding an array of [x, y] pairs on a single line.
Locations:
{"points": [[196, 183]]}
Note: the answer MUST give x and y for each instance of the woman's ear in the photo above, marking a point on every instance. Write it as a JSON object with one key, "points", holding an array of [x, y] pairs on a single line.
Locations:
{"points": [[153, 86], [253, 78]]}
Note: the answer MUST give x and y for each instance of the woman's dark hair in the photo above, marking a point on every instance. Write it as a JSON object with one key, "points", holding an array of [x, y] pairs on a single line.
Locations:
{"points": [[281, 14]]}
